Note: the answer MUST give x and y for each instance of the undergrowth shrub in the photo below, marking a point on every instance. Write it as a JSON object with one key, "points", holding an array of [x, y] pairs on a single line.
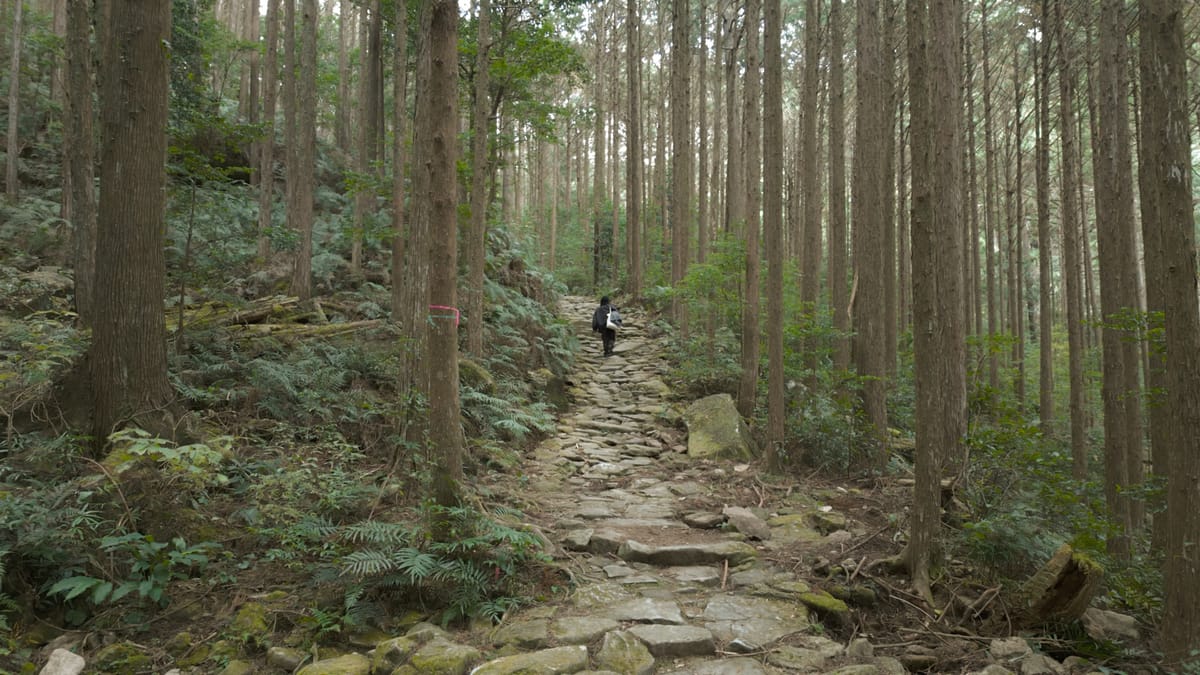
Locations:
{"points": [[477, 566]]}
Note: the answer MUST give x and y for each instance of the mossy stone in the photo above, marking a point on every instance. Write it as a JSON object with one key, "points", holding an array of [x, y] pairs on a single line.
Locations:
{"points": [[441, 657], [826, 606], [392, 653], [121, 657], [179, 645], [251, 625], [237, 668], [350, 664]]}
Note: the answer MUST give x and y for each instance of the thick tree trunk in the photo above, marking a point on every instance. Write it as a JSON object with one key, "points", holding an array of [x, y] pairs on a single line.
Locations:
{"points": [[1167, 149], [128, 355], [1113, 169], [438, 122], [869, 311], [935, 78]]}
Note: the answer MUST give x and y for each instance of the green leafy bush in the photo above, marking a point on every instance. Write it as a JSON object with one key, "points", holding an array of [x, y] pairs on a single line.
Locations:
{"points": [[151, 566]]}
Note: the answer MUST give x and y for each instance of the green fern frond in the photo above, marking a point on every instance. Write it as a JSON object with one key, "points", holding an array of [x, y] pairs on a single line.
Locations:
{"points": [[377, 532]]}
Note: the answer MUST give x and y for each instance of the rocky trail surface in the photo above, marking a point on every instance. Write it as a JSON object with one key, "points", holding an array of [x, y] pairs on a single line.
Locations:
{"points": [[683, 561]]}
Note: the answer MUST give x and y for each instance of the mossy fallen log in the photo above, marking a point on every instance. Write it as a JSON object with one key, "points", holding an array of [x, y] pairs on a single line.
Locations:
{"points": [[212, 314], [303, 330]]}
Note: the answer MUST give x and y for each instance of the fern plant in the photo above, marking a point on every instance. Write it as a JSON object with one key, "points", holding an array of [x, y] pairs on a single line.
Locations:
{"points": [[475, 572]]}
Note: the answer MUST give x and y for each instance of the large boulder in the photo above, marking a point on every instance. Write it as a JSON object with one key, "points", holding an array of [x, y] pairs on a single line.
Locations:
{"points": [[716, 430]]}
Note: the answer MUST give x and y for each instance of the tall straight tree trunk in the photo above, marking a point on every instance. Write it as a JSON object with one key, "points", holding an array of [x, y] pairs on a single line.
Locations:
{"points": [[702, 197], [1119, 291], [1016, 225], [935, 78], [598, 190], [1045, 302], [735, 165], [867, 211], [12, 185], [681, 149], [128, 354], [1151, 138], [810, 273], [1070, 227], [1166, 148], [371, 88], [891, 98], [752, 143], [437, 115], [266, 165], [839, 291], [342, 111], [79, 156], [477, 243], [400, 235], [300, 211], [773, 225], [633, 162], [990, 215]]}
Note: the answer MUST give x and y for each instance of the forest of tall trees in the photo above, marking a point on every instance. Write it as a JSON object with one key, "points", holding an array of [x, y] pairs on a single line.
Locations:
{"points": [[999, 300]]}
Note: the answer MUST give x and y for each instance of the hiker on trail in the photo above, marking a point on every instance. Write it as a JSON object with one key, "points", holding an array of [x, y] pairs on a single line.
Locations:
{"points": [[604, 316]]}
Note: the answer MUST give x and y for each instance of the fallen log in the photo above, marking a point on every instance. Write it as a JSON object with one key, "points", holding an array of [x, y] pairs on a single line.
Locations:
{"points": [[303, 330]]}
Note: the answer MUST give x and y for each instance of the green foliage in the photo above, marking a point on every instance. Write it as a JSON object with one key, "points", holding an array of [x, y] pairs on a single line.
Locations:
{"points": [[151, 565], [197, 463], [34, 353], [476, 569], [1021, 500]]}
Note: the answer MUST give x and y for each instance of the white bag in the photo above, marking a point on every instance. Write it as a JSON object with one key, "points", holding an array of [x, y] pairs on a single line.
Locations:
{"points": [[613, 321]]}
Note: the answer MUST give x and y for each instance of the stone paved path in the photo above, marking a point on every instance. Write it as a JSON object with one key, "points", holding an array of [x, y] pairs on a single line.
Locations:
{"points": [[664, 581]]}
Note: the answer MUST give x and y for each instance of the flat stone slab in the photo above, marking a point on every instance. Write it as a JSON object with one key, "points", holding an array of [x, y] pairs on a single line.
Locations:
{"points": [[580, 630], [570, 659], [736, 666], [701, 575], [675, 641], [735, 552], [533, 634], [646, 610], [759, 620]]}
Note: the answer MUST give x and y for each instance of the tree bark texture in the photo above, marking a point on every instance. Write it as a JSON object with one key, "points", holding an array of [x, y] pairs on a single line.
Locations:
{"points": [[79, 155], [869, 312], [128, 355], [1167, 149], [752, 144], [438, 119]]}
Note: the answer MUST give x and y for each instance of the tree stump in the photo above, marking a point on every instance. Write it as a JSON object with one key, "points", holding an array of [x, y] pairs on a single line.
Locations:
{"points": [[1061, 590]]}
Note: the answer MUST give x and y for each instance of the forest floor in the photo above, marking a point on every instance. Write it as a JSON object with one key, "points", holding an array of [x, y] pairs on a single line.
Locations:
{"points": [[662, 562]]}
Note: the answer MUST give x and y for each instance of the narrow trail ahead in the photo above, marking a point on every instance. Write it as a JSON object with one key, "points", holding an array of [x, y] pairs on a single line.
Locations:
{"points": [[667, 578]]}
